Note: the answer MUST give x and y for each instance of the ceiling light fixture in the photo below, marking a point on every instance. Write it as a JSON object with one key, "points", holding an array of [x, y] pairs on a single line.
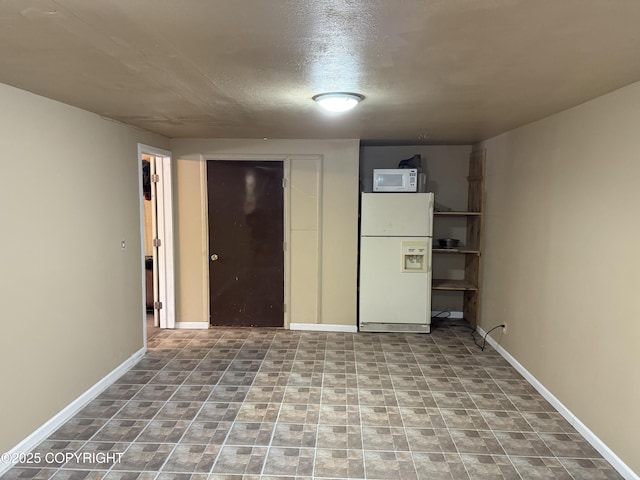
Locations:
{"points": [[338, 101]]}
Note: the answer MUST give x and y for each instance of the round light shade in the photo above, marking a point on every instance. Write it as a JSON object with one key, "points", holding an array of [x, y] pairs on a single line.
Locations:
{"points": [[338, 101]]}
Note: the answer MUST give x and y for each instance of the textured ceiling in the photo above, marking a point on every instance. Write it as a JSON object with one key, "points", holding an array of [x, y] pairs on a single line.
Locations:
{"points": [[440, 71]]}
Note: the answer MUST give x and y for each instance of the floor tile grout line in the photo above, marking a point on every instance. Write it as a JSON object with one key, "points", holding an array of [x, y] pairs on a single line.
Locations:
{"points": [[503, 448], [151, 419], [494, 436], [315, 447], [537, 434], [264, 465], [224, 442], [190, 422], [457, 448], [413, 458], [85, 442]]}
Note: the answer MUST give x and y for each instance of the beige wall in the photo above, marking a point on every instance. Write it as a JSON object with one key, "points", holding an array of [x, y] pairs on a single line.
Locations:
{"points": [[446, 166], [561, 259], [324, 224], [71, 300]]}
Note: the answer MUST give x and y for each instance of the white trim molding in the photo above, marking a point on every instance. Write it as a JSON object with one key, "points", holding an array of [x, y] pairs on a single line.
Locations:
{"points": [[324, 327], [69, 411], [164, 290], [617, 463], [192, 325]]}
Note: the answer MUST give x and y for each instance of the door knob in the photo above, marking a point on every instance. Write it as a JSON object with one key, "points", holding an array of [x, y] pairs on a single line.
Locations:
{"points": [[214, 257]]}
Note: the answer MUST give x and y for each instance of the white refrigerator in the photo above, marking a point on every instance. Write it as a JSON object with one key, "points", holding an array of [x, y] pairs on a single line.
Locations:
{"points": [[395, 262]]}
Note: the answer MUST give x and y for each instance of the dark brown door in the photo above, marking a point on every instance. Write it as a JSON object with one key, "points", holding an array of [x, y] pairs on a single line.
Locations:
{"points": [[246, 235]]}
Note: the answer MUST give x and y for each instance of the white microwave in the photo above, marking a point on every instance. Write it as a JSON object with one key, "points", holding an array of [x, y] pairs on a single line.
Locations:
{"points": [[395, 180]]}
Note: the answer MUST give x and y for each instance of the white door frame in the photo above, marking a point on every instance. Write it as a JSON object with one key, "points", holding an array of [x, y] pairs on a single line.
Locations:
{"points": [[164, 218]]}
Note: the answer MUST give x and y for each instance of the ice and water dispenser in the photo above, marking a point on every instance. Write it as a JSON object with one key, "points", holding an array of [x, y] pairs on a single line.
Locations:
{"points": [[414, 256]]}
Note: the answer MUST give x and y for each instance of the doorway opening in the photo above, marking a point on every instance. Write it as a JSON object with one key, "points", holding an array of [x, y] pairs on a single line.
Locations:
{"points": [[156, 216], [246, 242], [149, 210]]}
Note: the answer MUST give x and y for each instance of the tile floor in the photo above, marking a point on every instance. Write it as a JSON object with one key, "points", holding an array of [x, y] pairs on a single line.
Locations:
{"points": [[278, 404]]}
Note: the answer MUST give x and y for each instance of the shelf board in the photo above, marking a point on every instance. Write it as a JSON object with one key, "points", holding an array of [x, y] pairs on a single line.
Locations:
{"points": [[446, 284], [456, 250], [458, 214]]}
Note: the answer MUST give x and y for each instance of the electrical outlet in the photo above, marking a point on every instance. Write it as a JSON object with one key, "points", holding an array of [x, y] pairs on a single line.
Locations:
{"points": [[504, 329]]}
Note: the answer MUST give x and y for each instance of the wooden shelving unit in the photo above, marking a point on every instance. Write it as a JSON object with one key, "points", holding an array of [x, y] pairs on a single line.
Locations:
{"points": [[457, 214], [456, 250], [472, 248], [456, 285]]}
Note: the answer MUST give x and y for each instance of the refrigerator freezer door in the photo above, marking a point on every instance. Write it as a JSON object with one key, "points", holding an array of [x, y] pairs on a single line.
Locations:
{"points": [[389, 292], [396, 214]]}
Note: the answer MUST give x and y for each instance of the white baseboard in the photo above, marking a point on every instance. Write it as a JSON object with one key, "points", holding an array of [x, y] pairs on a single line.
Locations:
{"points": [[442, 314], [617, 463], [324, 327], [70, 410], [192, 325]]}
